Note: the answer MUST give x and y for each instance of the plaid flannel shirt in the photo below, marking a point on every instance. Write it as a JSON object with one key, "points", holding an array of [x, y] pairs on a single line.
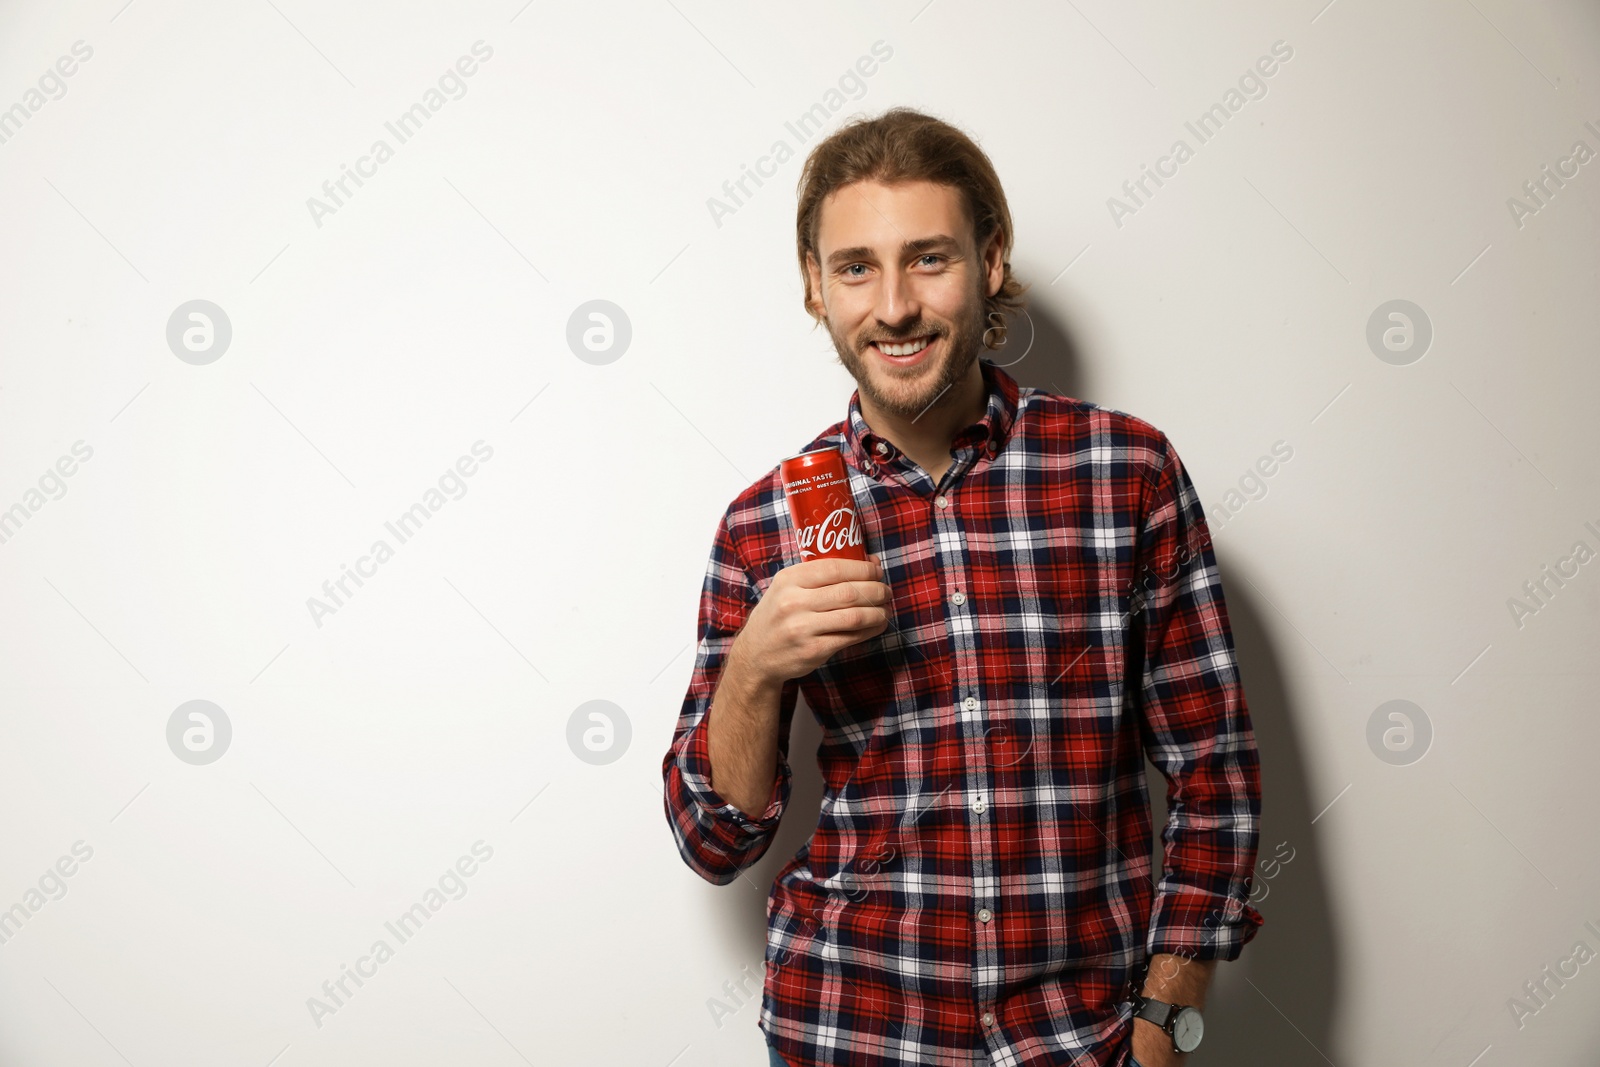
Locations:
{"points": [[978, 886]]}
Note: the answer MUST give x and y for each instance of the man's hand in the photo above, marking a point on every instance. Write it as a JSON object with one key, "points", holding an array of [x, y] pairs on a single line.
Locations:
{"points": [[1176, 980], [810, 611]]}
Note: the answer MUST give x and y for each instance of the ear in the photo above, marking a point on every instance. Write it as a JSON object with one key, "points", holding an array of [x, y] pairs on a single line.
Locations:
{"points": [[994, 266], [815, 304]]}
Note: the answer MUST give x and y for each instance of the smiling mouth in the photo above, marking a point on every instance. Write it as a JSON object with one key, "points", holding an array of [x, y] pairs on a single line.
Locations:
{"points": [[904, 351]]}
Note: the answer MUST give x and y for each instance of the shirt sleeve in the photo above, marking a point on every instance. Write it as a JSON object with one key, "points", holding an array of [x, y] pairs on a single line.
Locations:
{"points": [[1196, 729], [715, 838]]}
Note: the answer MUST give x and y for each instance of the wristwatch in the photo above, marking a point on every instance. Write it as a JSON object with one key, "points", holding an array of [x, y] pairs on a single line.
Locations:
{"points": [[1182, 1023]]}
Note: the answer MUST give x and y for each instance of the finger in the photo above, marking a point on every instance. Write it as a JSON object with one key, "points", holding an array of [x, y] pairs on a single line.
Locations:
{"points": [[831, 570], [841, 595], [861, 620], [833, 643]]}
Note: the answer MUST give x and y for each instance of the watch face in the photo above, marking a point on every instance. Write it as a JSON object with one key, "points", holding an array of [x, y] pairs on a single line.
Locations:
{"points": [[1187, 1029]]}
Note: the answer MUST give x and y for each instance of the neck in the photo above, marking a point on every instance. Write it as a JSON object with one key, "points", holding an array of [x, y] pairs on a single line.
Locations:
{"points": [[926, 437]]}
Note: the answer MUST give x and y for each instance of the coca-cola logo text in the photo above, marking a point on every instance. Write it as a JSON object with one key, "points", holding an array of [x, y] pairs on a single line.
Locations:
{"points": [[834, 533]]}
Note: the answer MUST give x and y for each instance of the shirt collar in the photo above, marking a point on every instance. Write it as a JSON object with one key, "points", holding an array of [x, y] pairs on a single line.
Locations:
{"points": [[988, 434]]}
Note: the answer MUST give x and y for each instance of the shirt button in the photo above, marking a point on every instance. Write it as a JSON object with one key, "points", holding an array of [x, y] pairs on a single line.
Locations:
{"points": [[984, 915], [988, 1018], [994, 446], [979, 806], [958, 598], [941, 501], [970, 703]]}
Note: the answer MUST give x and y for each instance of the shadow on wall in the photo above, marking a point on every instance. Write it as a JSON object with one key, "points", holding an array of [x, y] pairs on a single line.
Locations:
{"points": [[1276, 1004]]}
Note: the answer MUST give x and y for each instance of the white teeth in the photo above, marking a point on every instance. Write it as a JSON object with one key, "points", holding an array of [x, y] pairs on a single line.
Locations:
{"points": [[910, 349]]}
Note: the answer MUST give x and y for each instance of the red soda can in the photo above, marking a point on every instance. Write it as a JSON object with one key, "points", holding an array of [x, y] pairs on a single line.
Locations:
{"points": [[821, 505]]}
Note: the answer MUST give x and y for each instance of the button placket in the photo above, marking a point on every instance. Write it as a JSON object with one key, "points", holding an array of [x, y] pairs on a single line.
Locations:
{"points": [[969, 730]]}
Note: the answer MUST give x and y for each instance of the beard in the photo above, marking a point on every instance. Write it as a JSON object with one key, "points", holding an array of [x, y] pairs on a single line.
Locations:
{"points": [[909, 392]]}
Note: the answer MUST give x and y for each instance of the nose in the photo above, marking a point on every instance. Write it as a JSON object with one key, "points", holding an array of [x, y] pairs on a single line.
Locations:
{"points": [[898, 306]]}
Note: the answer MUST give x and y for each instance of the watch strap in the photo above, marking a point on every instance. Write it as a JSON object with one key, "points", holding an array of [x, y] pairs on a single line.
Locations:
{"points": [[1155, 1011]]}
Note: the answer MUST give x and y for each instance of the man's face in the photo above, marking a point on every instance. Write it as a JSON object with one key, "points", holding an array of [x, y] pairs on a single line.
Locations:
{"points": [[901, 285]]}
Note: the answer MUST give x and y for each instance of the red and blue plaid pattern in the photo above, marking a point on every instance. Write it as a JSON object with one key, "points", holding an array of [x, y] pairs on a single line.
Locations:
{"points": [[978, 887]]}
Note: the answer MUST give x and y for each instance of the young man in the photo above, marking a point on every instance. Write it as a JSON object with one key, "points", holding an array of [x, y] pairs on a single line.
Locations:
{"points": [[1041, 611]]}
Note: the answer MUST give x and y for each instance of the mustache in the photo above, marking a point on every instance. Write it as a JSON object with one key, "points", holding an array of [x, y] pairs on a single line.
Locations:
{"points": [[909, 335]]}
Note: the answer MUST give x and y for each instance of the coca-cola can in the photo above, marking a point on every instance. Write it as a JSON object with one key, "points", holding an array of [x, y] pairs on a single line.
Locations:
{"points": [[821, 505]]}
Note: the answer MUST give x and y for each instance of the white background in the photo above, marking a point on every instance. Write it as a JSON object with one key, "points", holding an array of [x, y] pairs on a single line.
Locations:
{"points": [[430, 311]]}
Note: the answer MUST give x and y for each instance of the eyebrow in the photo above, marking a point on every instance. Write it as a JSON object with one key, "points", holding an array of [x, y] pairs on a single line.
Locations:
{"points": [[920, 245]]}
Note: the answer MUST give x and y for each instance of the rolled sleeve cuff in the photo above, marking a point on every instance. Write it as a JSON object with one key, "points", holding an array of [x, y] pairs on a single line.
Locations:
{"points": [[724, 821], [1198, 925]]}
